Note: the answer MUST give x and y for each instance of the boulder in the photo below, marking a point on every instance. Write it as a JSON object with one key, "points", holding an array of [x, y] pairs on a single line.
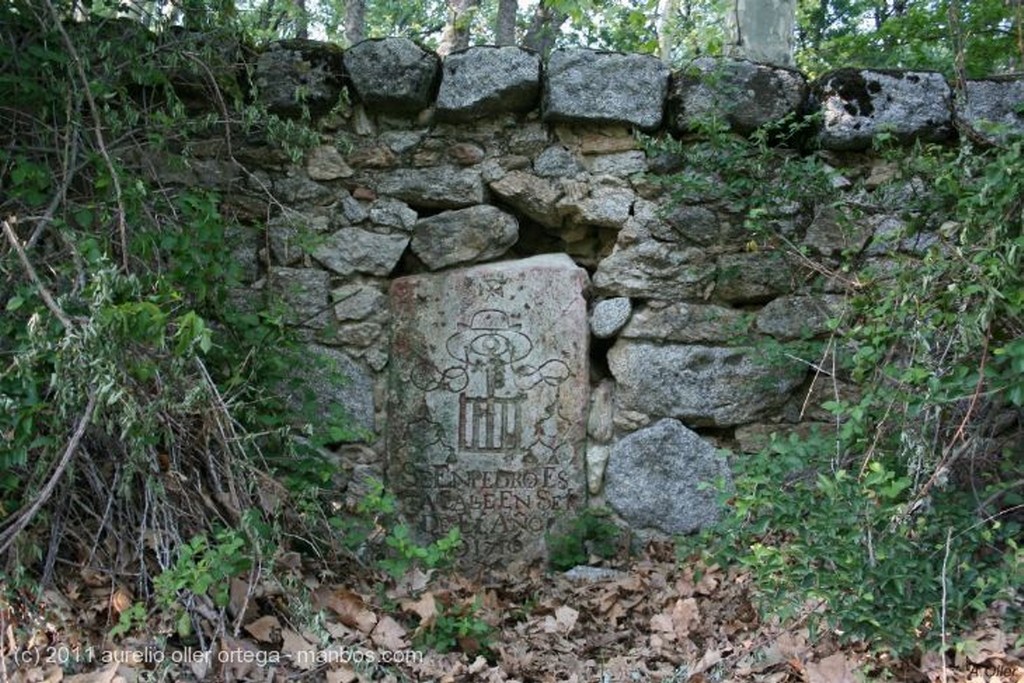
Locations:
{"points": [[440, 187], [701, 385], [392, 75], [859, 103], [292, 75], [742, 94], [486, 80], [662, 478], [992, 107], [585, 86], [479, 233], [354, 250]]}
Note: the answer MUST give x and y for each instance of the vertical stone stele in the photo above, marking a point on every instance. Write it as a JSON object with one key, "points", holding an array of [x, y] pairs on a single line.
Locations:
{"points": [[488, 392]]}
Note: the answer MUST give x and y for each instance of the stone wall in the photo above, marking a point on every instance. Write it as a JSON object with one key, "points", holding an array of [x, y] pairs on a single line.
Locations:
{"points": [[427, 167]]}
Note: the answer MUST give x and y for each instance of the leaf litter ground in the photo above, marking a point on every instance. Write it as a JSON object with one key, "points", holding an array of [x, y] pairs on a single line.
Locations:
{"points": [[653, 619]]}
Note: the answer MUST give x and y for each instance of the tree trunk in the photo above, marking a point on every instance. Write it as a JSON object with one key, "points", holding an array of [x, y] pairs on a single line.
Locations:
{"points": [[665, 9], [301, 20], [456, 32], [543, 29], [355, 21], [505, 29]]}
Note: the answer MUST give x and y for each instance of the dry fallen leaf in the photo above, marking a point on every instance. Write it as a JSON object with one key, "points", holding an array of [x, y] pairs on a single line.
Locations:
{"points": [[102, 676], [350, 608], [344, 673], [300, 652], [265, 629], [834, 669], [685, 617], [562, 622], [425, 608], [389, 635]]}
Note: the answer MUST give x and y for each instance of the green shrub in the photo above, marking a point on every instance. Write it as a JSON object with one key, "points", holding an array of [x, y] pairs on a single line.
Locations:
{"points": [[591, 533]]}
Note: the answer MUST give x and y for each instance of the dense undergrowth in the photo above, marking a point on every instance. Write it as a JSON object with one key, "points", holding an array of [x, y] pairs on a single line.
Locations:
{"points": [[901, 523]]}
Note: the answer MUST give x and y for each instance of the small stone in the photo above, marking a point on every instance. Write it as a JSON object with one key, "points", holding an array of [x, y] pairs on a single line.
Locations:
{"points": [[377, 156], [326, 163], [599, 419], [597, 459], [357, 301], [466, 154], [534, 197], [296, 75], [609, 316], [470, 235], [688, 324], [442, 187], [392, 213], [749, 278], [555, 162], [616, 164], [303, 294], [798, 317]]}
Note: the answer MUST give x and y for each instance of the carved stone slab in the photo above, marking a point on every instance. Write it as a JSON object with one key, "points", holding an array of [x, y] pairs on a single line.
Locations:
{"points": [[488, 391]]}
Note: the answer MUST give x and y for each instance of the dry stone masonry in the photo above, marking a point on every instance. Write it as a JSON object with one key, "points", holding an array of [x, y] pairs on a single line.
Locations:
{"points": [[527, 320]]}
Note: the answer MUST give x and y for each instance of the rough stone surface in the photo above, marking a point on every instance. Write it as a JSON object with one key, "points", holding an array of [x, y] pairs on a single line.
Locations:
{"points": [[701, 385], [357, 301], [743, 94], [649, 269], [354, 250], [392, 75], [292, 74], [609, 316], [605, 207], [291, 236], [392, 213], [556, 162], [488, 400], [533, 196], [993, 107], [796, 317], [695, 224], [599, 419], [584, 86], [442, 187], [303, 294], [748, 278], [832, 233], [479, 233], [687, 324], [858, 104], [338, 384], [326, 163], [597, 460], [487, 80], [617, 163], [654, 479]]}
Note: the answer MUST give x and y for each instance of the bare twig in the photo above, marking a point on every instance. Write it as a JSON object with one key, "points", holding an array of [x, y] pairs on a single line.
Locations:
{"points": [[48, 299], [942, 618], [22, 518], [97, 129]]}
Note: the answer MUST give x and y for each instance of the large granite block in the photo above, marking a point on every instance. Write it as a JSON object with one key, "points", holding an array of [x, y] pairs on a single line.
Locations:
{"points": [[488, 395], [585, 86]]}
